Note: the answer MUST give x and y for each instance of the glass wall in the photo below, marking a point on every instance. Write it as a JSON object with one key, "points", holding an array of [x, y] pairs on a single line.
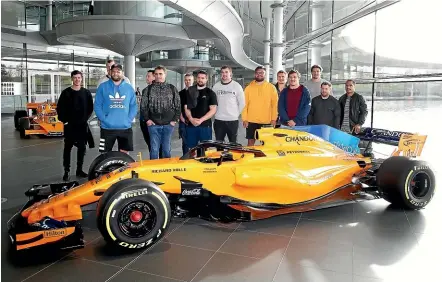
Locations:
{"points": [[20, 14], [141, 8], [35, 73], [394, 61]]}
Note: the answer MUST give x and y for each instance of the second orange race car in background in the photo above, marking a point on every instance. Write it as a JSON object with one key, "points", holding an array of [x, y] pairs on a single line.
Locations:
{"points": [[42, 121]]}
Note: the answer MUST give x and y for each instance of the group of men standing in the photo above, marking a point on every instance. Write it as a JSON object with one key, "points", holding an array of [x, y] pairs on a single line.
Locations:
{"points": [[162, 106], [284, 104]]}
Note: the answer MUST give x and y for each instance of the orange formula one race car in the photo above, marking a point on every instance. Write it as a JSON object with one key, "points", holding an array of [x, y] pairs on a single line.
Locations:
{"points": [[292, 171], [43, 121]]}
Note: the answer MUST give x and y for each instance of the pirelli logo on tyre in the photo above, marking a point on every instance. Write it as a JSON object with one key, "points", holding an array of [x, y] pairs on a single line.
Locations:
{"points": [[134, 193], [54, 233]]}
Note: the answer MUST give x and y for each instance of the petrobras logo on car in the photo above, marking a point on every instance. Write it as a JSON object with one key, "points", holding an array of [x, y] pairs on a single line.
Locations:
{"points": [[117, 101]]}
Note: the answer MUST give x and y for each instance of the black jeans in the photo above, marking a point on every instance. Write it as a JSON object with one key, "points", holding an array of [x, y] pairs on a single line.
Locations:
{"points": [[81, 152], [223, 128]]}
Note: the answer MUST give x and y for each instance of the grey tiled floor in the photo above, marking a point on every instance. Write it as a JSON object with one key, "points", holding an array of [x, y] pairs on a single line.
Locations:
{"points": [[361, 242]]}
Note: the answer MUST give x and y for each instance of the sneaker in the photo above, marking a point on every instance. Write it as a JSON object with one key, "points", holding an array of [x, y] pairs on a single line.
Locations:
{"points": [[66, 176]]}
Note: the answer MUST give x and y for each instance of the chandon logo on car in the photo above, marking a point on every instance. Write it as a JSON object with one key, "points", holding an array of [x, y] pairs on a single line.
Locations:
{"points": [[299, 139], [192, 192]]}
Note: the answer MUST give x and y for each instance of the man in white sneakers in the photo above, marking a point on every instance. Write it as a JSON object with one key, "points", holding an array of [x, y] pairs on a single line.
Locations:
{"points": [[231, 102]]}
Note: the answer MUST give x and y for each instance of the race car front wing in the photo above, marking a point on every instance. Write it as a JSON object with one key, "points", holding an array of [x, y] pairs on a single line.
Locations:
{"points": [[48, 232]]}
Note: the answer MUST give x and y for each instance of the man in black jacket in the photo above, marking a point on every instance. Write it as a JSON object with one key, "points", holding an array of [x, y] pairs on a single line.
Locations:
{"points": [[188, 82], [161, 109], [353, 114], [325, 108], [74, 108], [150, 78], [353, 109]]}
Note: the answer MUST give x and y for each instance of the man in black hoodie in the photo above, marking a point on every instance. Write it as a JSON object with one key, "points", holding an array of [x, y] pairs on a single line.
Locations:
{"points": [[161, 108], [74, 108], [325, 108]]}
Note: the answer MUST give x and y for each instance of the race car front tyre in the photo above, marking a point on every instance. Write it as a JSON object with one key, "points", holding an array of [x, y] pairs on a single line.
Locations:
{"points": [[25, 124], [17, 115], [406, 183], [108, 162], [133, 214]]}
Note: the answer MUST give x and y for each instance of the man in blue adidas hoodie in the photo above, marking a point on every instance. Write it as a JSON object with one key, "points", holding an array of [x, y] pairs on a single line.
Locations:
{"points": [[116, 107]]}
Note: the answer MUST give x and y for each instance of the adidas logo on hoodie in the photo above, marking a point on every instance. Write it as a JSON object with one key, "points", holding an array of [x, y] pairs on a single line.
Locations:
{"points": [[117, 101]]}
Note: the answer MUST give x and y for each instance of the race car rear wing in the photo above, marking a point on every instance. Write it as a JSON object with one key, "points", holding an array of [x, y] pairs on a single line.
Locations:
{"points": [[408, 144]]}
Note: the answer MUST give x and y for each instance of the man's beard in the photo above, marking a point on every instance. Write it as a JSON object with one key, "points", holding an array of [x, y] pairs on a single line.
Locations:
{"points": [[200, 84], [259, 79], [118, 78]]}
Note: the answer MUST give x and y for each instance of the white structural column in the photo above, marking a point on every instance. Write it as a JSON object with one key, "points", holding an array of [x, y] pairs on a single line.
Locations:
{"points": [[49, 16], [267, 48], [316, 24], [129, 68], [278, 45]]}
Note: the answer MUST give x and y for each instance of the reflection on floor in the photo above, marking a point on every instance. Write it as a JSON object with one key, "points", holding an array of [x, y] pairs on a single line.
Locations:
{"points": [[360, 242]]}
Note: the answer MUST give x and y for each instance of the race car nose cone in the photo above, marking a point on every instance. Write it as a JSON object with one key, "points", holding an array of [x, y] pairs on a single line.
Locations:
{"points": [[136, 216]]}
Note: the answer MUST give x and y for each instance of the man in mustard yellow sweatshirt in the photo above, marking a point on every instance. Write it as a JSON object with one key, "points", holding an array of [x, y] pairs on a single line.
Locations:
{"points": [[261, 105]]}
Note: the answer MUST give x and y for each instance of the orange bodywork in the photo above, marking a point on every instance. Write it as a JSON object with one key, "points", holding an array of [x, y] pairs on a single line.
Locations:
{"points": [[298, 168]]}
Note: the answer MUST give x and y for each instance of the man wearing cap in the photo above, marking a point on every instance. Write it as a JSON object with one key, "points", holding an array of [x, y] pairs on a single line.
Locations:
{"points": [[107, 77], [116, 108]]}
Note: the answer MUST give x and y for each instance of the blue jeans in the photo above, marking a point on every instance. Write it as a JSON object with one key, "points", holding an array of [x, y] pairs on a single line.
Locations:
{"points": [[197, 134], [160, 135], [182, 132]]}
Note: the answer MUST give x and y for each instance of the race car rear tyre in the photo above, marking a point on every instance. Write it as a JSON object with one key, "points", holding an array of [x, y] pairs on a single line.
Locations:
{"points": [[108, 162], [406, 182], [17, 115], [25, 124], [133, 214]]}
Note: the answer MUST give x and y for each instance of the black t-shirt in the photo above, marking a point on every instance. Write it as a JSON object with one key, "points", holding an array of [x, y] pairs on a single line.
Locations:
{"points": [[183, 94], [206, 98]]}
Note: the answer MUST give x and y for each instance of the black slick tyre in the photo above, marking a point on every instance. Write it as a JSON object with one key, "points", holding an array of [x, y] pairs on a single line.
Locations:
{"points": [[25, 124], [406, 183], [17, 115], [133, 214], [108, 162]]}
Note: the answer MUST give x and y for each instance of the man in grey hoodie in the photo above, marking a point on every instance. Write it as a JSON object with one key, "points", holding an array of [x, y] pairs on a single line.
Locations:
{"points": [[231, 102]]}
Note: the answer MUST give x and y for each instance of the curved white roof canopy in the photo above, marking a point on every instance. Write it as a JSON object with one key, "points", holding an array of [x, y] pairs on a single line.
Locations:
{"points": [[221, 18]]}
